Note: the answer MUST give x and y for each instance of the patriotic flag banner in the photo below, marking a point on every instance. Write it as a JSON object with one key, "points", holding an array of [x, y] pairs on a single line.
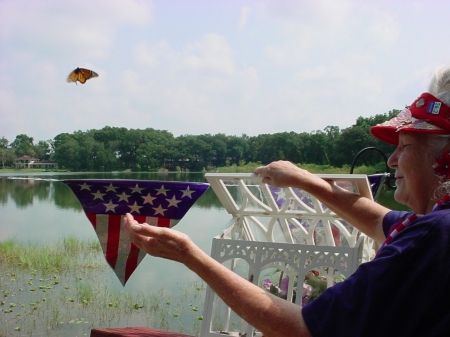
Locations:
{"points": [[376, 181], [158, 203]]}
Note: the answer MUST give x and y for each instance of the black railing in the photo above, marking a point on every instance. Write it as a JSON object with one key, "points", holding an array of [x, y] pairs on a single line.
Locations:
{"points": [[389, 180]]}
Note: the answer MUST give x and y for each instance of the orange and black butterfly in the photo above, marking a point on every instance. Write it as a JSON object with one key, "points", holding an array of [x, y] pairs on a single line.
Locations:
{"points": [[81, 75]]}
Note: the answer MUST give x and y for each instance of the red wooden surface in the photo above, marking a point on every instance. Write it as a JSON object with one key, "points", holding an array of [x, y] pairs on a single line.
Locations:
{"points": [[133, 331]]}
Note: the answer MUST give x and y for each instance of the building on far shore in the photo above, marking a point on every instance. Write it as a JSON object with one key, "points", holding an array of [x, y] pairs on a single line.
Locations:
{"points": [[30, 162]]}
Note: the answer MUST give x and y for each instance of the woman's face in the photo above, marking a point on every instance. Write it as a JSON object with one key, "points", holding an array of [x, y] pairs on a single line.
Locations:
{"points": [[413, 160]]}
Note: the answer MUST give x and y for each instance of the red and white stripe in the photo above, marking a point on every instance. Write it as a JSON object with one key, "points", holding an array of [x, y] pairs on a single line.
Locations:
{"points": [[122, 255]]}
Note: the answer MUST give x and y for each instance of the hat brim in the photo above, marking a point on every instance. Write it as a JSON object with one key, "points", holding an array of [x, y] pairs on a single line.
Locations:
{"points": [[390, 134], [427, 114]]}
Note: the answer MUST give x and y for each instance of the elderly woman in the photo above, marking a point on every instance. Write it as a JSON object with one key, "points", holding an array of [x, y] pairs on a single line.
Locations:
{"points": [[405, 289]]}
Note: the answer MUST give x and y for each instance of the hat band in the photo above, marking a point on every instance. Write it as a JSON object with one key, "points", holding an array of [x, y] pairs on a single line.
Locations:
{"points": [[405, 120]]}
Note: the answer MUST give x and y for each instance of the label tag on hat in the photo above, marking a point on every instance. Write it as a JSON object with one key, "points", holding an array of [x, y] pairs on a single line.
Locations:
{"points": [[433, 108]]}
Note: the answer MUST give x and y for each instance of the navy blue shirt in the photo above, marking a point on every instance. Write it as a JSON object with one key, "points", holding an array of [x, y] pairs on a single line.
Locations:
{"points": [[404, 291]]}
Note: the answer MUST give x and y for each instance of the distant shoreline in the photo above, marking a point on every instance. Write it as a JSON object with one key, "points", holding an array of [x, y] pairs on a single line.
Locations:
{"points": [[8, 170]]}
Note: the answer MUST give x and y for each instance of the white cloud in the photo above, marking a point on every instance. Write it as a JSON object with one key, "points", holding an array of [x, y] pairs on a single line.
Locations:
{"points": [[189, 90], [150, 56], [245, 11], [186, 68], [8, 105], [211, 52], [82, 28], [384, 31], [334, 94], [306, 27]]}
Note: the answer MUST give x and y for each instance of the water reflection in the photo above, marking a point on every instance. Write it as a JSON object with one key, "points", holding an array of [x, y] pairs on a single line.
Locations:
{"points": [[42, 209], [39, 208], [24, 190]]}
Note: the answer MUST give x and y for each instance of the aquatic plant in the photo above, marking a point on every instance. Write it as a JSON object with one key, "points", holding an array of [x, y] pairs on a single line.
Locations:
{"points": [[65, 289]]}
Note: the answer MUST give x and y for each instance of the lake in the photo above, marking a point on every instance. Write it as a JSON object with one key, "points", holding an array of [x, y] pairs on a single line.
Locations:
{"points": [[44, 211], [38, 208]]}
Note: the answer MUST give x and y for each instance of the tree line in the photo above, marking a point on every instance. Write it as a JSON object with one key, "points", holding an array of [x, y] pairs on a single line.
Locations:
{"points": [[118, 148]]}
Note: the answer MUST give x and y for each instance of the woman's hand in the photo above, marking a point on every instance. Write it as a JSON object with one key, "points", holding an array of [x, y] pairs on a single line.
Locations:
{"points": [[160, 242], [283, 174], [363, 213], [270, 314]]}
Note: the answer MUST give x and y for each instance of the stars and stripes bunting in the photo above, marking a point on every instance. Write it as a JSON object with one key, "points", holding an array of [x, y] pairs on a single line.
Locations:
{"points": [[158, 203]]}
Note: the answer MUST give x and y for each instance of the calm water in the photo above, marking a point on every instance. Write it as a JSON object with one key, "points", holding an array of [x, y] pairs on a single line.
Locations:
{"points": [[38, 208], [35, 209]]}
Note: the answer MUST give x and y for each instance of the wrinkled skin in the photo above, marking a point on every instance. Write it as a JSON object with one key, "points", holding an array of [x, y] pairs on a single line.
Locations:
{"points": [[159, 241], [413, 160]]}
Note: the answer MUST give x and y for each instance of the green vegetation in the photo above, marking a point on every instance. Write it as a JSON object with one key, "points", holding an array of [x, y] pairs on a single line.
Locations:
{"points": [[250, 167], [149, 150], [57, 259], [11, 169], [344, 169], [62, 290]]}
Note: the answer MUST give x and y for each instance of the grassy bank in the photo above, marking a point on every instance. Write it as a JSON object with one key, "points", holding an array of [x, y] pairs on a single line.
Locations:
{"points": [[9, 170], [345, 169], [250, 167], [63, 290]]}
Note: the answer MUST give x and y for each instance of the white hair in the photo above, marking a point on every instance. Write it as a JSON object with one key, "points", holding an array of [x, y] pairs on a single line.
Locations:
{"points": [[440, 88], [440, 84]]}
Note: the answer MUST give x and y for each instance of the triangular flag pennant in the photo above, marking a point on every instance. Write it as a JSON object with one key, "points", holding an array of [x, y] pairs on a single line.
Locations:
{"points": [[158, 203]]}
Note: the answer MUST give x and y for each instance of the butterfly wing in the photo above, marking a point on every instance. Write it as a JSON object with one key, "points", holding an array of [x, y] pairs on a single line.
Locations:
{"points": [[81, 75], [86, 74], [81, 78], [73, 76]]}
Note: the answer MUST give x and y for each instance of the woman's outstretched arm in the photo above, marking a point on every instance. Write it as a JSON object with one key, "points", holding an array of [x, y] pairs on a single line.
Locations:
{"points": [[359, 211], [269, 314]]}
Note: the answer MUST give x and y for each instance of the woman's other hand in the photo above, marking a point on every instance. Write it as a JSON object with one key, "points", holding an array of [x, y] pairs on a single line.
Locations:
{"points": [[283, 174], [159, 241]]}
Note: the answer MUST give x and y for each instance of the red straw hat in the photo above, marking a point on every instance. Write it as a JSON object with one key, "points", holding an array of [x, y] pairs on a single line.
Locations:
{"points": [[427, 114]]}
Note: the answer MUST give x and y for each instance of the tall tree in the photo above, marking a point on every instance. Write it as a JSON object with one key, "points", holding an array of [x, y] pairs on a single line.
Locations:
{"points": [[236, 149], [6, 153], [43, 149], [67, 150], [23, 145]]}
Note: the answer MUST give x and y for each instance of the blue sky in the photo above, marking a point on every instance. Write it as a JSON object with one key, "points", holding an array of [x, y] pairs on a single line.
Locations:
{"points": [[225, 66]]}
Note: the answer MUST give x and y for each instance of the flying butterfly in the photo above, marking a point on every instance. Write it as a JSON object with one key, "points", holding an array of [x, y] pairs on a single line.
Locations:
{"points": [[81, 75]]}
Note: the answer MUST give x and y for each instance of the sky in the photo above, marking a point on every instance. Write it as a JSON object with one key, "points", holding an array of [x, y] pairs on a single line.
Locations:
{"points": [[218, 66]]}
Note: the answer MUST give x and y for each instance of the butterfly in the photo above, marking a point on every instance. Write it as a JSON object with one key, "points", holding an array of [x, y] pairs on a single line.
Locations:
{"points": [[81, 75]]}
